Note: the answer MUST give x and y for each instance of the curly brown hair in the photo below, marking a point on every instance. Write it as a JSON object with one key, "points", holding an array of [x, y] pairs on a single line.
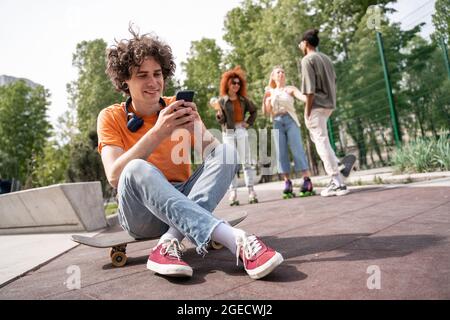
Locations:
{"points": [[126, 55], [228, 76]]}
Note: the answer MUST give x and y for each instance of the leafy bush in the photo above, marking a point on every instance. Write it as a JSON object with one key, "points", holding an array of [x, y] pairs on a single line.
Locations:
{"points": [[424, 155]]}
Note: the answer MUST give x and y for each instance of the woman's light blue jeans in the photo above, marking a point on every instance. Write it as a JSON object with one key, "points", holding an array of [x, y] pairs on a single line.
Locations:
{"points": [[149, 203], [289, 135]]}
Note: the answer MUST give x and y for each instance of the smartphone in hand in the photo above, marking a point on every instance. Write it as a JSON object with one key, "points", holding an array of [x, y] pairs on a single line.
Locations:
{"points": [[186, 95]]}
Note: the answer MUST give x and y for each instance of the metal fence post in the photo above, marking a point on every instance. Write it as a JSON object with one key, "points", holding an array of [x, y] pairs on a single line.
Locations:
{"points": [[445, 52], [394, 119], [330, 133]]}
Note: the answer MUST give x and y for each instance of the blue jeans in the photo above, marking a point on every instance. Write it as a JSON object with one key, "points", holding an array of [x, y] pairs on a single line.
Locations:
{"points": [[289, 135], [149, 203]]}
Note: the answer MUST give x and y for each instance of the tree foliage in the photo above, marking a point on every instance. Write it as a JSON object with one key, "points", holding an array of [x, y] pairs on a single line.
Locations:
{"points": [[203, 71], [89, 94], [441, 20], [266, 33], [24, 129], [260, 34], [93, 90]]}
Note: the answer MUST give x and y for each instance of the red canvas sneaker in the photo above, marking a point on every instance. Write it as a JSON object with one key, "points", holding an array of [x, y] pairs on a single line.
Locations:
{"points": [[166, 259], [259, 260]]}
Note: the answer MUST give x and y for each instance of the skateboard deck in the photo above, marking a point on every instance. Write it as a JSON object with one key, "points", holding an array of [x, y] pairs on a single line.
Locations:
{"points": [[348, 161], [118, 241]]}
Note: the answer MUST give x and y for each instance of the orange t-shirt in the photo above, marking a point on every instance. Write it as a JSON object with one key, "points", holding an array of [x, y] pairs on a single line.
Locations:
{"points": [[237, 111], [112, 130]]}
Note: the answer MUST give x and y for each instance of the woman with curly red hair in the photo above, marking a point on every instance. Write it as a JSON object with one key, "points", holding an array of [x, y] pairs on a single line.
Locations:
{"points": [[231, 114]]}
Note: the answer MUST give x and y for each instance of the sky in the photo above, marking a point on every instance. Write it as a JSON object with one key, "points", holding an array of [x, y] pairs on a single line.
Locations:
{"points": [[39, 37]]}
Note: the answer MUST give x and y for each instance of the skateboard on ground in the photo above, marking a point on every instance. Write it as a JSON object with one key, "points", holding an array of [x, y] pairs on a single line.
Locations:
{"points": [[348, 162], [117, 241]]}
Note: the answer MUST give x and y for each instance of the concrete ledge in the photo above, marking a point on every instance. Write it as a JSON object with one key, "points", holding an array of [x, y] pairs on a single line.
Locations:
{"points": [[57, 208], [378, 176]]}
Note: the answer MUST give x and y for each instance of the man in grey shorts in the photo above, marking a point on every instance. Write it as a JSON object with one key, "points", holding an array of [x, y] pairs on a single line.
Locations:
{"points": [[319, 86]]}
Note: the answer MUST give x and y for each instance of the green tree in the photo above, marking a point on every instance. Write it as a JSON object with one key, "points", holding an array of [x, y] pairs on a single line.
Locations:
{"points": [[24, 128], [362, 101], [441, 19], [266, 33], [424, 102], [338, 21], [241, 28], [203, 71], [93, 90], [89, 94], [85, 163], [51, 166]]}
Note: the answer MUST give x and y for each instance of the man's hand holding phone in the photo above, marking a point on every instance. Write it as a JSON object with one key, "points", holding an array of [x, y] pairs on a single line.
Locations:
{"points": [[187, 96]]}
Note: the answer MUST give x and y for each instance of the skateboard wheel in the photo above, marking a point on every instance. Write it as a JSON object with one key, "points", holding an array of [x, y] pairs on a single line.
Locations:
{"points": [[119, 259], [122, 248], [216, 246]]}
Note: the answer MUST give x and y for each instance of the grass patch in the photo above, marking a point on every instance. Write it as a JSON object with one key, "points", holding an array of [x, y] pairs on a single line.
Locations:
{"points": [[423, 155], [377, 180], [110, 208]]}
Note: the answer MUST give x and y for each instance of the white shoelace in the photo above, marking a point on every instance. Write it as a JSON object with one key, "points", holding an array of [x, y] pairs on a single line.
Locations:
{"points": [[250, 245], [173, 247]]}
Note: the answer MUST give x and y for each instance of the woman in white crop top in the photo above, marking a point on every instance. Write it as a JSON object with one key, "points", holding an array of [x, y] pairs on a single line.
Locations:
{"points": [[278, 102]]}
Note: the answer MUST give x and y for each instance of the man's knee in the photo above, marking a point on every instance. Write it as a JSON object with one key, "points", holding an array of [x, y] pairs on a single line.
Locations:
{"points": [[134, 166], [138, 170]]}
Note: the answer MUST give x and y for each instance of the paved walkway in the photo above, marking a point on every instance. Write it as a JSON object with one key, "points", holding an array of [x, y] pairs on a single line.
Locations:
{"points": [[379, 242]]}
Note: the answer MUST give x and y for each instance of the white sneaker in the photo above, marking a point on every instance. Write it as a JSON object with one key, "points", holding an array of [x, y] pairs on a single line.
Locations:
{"points": [[334, 190]]}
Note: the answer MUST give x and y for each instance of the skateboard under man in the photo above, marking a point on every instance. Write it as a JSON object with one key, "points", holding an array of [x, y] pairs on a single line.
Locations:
{"points": [[117, 241]]}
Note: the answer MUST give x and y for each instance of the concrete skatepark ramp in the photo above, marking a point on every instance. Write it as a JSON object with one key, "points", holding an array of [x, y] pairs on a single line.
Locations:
{"points": [[56, 208]]}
